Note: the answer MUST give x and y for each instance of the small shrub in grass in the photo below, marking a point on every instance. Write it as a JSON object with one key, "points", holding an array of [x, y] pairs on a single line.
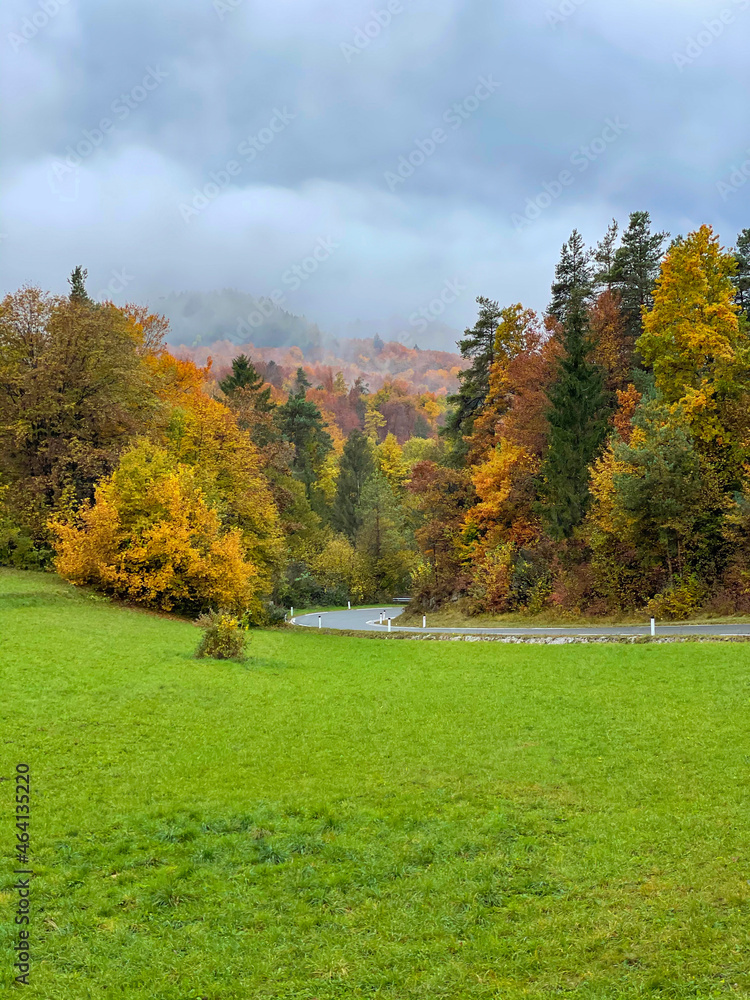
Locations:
{"points": [[224, 636]]}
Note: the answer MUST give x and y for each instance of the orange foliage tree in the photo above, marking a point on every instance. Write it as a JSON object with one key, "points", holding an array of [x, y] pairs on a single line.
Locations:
{"points": [[201, 432]]}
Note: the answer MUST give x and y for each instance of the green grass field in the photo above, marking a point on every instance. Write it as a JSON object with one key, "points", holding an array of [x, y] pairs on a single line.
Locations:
{"points": [[347, 818]]}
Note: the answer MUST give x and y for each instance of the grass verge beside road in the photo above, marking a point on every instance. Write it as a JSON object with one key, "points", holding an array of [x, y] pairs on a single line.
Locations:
{"points": [[454, 617]]}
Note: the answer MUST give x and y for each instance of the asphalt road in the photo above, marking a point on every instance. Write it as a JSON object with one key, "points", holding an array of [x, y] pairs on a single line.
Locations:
{"points": [[368, 620]]}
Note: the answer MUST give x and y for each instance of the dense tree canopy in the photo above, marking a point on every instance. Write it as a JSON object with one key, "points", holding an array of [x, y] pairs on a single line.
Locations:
{"points": [[593, 459]]}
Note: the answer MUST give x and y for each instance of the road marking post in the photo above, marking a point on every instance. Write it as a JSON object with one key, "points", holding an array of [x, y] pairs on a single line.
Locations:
{"points": [[320, 621], [349, 605], [653, 626], [389, 624], [291, 614], [424, 621]]}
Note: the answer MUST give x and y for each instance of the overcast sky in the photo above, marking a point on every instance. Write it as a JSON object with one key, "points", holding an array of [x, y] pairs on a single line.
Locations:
{"points": [[172, 145]]}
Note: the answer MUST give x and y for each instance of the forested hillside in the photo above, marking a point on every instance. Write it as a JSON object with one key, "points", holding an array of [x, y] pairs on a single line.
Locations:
{"points": [[372, 362], [591, 460]]}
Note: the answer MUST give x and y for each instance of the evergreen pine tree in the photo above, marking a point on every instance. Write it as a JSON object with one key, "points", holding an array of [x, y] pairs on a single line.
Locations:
{"points": [[77, 282], [742, 277], [573, 277], [301, 423], [245, 376], [356, 467], [250, 400], [301, 382], [478, 344], [604, 256], [577, 421], [636, 268]]}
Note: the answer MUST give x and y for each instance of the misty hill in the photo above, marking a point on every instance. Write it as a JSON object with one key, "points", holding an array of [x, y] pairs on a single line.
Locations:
{"points": [[203, 318]]}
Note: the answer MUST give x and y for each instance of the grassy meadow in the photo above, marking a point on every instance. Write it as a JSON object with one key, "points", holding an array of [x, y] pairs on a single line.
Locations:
{"points": [[341, 817]]}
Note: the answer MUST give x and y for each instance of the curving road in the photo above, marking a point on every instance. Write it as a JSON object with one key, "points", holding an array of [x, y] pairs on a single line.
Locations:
{"points": [[368, 620]]}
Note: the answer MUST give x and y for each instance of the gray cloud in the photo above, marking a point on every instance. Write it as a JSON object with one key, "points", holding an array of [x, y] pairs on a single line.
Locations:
{"points": [[365, 95]]}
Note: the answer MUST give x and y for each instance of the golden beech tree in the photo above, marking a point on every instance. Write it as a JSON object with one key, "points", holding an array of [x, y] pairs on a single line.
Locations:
{"points": [[492, 578], [605, 514], [152, 537], [693, 338], [326, 481], [340, 565], [374, 419], [504, 484], [617, 567], [149, 329], [501, 523], [203, 433], [390, 458]]}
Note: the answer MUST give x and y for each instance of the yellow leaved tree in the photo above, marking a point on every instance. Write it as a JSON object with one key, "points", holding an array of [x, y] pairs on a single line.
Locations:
{"points": [[152, 537], [390, 458], [699, 350], [201, 432]]}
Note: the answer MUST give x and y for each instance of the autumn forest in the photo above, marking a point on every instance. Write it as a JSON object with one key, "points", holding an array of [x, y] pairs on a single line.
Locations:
{"points": [[593, 460]]}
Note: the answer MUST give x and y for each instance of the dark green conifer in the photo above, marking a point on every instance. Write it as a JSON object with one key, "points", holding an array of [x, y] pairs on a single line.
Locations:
{"points": [[301, 423], [478, 345], [77, 282], [356, 467], [742, 277], [574, 275], [245, 376], [636, 268], [577, 421]]}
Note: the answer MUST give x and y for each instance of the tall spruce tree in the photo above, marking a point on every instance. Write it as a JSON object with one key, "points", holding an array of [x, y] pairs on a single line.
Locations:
{"points": [[77, 282], [250, 400], [636, 269], [574, 277], [301, 382], [301, 423], [245, 376], [742, 277], [578, 422], [357, 465], [478, 346], [604, 256]]}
